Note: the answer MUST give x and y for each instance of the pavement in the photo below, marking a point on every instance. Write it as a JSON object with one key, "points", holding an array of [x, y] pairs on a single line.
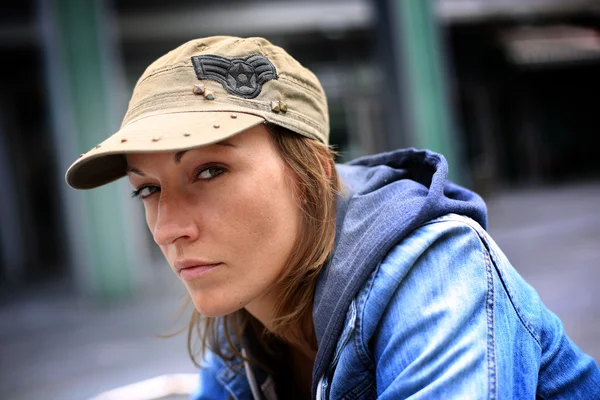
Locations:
{"points": [[552, 237], [56, 346]]}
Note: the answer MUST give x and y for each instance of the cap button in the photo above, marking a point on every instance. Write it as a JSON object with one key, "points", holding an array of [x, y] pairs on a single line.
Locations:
{"points": [[275, 106], [216, 126], [199, 88], [156, 139], [209, 95]]}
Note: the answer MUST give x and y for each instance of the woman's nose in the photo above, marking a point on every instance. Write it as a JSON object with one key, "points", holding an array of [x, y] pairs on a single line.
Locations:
{"points": [[174, 221]]}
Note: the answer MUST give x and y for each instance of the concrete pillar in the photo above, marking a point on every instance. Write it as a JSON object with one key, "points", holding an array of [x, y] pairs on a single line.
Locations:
{"points": [[424, 118], [84, 92]]}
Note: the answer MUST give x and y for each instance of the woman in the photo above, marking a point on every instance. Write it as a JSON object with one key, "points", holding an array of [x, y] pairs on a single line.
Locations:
{"points": [[386, 286]]}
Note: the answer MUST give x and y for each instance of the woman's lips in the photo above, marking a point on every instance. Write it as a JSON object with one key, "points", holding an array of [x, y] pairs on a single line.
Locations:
{"points": [[196, 271]]}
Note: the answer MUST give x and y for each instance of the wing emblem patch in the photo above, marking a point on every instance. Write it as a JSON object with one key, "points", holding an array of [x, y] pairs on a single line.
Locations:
{"points": [[242, 77]]}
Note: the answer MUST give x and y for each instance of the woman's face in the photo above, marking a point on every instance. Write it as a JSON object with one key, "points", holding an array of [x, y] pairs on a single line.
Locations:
{"points": [[225, 216]]}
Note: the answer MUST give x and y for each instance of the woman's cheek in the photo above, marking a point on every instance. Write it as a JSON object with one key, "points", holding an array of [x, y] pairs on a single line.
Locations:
{"points": [[151, 214]]}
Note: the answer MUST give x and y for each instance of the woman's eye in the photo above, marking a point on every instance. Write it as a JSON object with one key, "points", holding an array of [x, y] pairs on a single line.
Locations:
{"points": [[205, 174], [210, 172], [145, 191]]}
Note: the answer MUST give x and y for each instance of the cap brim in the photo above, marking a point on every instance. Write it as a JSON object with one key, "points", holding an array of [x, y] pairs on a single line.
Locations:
{"points": [[164, 132]]}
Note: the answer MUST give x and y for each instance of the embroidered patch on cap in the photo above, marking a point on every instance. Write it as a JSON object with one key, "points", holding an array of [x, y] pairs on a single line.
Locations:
{"points": [[242, 77]]}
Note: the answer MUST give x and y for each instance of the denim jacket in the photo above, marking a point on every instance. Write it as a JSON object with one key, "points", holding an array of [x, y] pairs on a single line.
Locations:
{"points": [[444, 315]]}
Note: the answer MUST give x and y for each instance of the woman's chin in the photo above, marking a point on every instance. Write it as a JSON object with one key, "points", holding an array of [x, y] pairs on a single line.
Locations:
{"points": [[214, 310]]}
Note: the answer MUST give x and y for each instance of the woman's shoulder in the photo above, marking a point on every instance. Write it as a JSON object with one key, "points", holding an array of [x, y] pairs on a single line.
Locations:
{"points": [[447, 299], [442, 247], [444, 262], [422, 314]]}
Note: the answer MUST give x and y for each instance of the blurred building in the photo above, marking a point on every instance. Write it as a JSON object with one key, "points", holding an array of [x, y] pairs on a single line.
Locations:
{"points": [[505, 88]]}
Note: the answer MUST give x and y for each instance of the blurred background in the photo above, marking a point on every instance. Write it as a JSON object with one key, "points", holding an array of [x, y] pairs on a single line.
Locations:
{"points": [[506, 89]]}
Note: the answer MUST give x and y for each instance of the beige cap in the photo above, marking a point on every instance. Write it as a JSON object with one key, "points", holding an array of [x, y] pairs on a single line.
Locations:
{"points": [[205, 91]]}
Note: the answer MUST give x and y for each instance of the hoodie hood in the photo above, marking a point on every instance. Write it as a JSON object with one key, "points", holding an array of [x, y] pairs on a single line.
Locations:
{"points": [[386, 197]]}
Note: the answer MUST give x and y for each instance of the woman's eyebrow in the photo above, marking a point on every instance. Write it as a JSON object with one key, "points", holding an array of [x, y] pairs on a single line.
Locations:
{"points": [[135, 171], [177, 157]]}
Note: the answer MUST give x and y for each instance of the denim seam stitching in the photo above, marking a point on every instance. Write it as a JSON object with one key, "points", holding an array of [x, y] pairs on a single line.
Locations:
{"points": [[526, 324], [362, 351], [489, 306], [363, 386]]}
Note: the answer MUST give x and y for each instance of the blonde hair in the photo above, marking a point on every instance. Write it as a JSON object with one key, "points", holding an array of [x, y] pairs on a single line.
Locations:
{"points": [[317, 186]]}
